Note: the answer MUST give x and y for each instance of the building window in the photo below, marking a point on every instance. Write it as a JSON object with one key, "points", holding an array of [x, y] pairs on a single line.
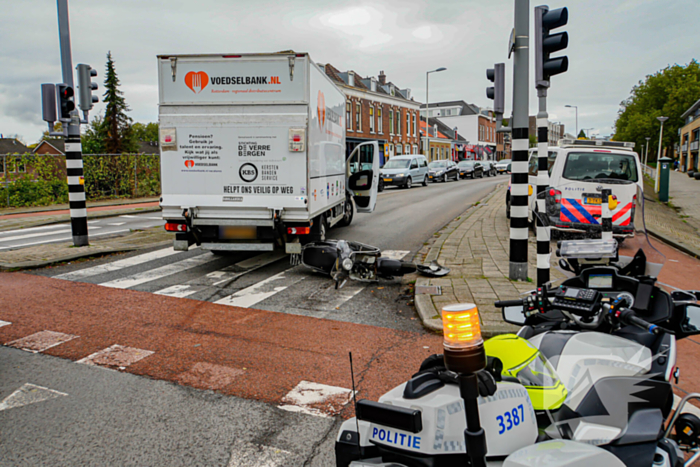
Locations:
{"points": [[415, 149], [358, 117], [408, 123], [371, 119], [379, 120], [348, 114], [391, 121], [20, 165], [399, 148], [414, 124], [432, 154], [397, 121]]}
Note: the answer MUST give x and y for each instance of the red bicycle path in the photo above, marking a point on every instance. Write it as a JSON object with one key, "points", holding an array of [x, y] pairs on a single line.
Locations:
{"points": [[114, 207], [269, 352]]}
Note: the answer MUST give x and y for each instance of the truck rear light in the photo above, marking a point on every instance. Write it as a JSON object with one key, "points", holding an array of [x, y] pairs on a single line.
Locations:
{"points": [[175, 227], [556, 194], [231, 56], [299, 230]]}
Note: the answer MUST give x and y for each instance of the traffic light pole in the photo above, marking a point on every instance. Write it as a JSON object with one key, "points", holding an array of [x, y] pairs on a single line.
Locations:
{"points": [[543, 230], [74, 154], [520, 125]]}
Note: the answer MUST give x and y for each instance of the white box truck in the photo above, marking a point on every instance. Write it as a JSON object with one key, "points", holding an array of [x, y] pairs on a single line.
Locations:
{"points": [[253, 152]]}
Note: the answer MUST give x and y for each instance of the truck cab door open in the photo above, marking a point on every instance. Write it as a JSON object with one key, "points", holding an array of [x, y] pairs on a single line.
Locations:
{"points": [[362, 170]]}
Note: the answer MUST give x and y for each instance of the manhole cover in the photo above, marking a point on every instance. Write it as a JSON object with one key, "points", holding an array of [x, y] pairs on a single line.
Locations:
{"points": [[429, 289]]}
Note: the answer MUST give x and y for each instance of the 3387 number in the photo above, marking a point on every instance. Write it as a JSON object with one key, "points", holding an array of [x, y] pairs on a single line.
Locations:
{"points": [[510, 419]]}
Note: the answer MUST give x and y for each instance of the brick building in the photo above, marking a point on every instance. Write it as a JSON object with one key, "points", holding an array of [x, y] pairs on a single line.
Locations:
{"points": [[377, 110]]}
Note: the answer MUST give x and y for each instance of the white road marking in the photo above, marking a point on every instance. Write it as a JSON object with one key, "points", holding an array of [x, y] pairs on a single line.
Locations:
{"points": [[158, 273], [395, 254], [4, 323], [116, 356], [256, 293], [29, 394], [179, 291], [316, 399], [33, 235], [331, 299], [33, 229], [57, 240], [246, 454], [227, 274], [117, 265], [117, 223], [41, 341], [126, 216]]}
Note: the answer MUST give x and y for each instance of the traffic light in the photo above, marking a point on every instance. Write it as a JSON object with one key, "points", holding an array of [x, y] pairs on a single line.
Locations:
{"points": [[497, 92], [86, 86], [65, 101], [48, 103], [546, 43]]}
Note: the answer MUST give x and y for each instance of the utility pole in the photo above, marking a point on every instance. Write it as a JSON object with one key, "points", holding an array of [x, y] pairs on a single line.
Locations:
{"points": [[74, 154], [519, 178], [545, 67], [658, 156]]}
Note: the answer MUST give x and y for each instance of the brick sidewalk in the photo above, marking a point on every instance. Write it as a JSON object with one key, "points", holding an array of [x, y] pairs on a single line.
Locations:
{"points": [[476, 247]]}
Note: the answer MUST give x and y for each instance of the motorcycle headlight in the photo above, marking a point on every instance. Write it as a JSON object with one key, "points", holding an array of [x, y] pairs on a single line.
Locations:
{"points": [[347, 264]]}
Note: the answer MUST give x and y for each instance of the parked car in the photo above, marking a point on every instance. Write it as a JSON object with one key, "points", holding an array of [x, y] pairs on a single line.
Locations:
{"points": [[502, 166], [489, 168], [470, 169], [442, 170], [404, 171]]}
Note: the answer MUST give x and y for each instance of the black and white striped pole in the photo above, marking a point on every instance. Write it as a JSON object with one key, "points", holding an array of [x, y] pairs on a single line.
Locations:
{"points": [[606, 221], [519, 178], [74, 154], [545, 67]]}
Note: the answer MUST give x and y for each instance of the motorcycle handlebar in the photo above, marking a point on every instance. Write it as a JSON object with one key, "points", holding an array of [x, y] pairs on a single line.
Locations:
{"points": [[628, 317], [505, 303]]}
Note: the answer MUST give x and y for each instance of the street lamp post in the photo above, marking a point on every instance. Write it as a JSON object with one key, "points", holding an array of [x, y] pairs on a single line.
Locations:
{"points": [[427, 111], [584, 132], [575, 107], [658, 156], [646, 152]]}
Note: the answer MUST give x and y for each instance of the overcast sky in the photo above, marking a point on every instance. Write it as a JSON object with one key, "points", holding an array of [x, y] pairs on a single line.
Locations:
{"points": [[612, 45]]}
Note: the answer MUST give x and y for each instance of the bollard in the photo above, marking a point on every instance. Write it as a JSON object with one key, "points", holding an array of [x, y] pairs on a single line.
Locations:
{"points": [[664, 166]]}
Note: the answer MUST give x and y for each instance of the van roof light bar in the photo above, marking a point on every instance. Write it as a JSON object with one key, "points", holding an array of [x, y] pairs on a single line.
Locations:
{"points": [[596, 144]]}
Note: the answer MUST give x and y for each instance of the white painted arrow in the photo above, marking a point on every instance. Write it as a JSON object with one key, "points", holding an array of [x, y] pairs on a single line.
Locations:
{"points": [[29, 394]]}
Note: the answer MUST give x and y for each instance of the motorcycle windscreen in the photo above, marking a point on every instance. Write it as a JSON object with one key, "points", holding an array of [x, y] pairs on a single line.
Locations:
{"points": [[363, 175]]}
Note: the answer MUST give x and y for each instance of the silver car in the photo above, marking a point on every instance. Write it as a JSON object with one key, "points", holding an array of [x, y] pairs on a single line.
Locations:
{"points": [[404, 171]]}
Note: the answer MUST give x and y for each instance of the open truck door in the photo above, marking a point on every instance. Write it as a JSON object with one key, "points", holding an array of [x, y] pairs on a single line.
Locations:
{"points": [[362, 170]]}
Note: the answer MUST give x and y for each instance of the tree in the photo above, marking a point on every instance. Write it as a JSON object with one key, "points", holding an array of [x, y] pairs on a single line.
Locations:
{"points": [[116, 125], [581, 135], [93, 140], [533, 141], [669, 92], [147, 132]]}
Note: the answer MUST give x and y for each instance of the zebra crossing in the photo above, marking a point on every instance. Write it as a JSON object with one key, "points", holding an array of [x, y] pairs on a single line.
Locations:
{"points": [[244, 280]]}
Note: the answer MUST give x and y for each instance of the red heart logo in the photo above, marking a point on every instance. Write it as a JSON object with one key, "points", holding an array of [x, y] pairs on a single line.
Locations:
{"points": [[189, 163], [196, 81], [321, 110]]}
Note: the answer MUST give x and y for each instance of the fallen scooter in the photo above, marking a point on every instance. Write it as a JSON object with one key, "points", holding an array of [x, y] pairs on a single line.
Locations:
{"points": [[343, 260]]}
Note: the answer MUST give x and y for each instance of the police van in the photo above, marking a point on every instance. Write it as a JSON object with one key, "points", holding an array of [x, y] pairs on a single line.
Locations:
{"points": [[581, 170], [532, 169]]}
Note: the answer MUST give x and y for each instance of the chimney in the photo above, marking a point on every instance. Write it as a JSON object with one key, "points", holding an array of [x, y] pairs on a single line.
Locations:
{"points": [[382, 78], [373, 84], [351, 78]]}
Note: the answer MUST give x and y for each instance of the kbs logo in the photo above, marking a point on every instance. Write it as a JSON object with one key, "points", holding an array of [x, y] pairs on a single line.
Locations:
{"points": [[248, 172], [196, 81], [189, 163], [321, 107]]}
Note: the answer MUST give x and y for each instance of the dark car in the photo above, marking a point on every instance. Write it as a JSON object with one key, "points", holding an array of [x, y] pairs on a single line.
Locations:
{"points": [[442, 170], [489, 168], [470, 169]]}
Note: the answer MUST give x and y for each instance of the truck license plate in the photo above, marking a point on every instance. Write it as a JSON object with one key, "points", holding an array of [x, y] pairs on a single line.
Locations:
{"points": [[231, 232]]}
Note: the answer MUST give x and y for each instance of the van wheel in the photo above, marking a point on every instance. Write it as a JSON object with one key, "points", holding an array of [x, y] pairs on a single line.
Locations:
{"points": [[349, 213], [409, 183], [425, 181]]}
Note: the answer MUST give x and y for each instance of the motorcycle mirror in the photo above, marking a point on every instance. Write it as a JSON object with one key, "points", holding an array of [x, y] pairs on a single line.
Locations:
{"points": [[565, 266], [690, 325], [514, 315]]}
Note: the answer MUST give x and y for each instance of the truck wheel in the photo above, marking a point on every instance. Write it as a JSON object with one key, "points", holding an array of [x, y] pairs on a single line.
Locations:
{"points": [[380, 186], [348, 215], [409, 183], [318, 230]]}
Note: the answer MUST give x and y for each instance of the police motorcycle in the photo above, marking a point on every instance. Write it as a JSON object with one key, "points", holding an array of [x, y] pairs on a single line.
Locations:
{"points": [[586, 379], [343, 260]]}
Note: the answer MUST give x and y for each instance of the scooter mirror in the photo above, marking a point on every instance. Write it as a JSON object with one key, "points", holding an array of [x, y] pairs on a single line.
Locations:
{"points": [[514, 315]]}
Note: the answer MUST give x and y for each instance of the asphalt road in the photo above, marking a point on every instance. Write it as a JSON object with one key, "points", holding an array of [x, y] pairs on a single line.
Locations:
{"points": [[99, 228]]}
